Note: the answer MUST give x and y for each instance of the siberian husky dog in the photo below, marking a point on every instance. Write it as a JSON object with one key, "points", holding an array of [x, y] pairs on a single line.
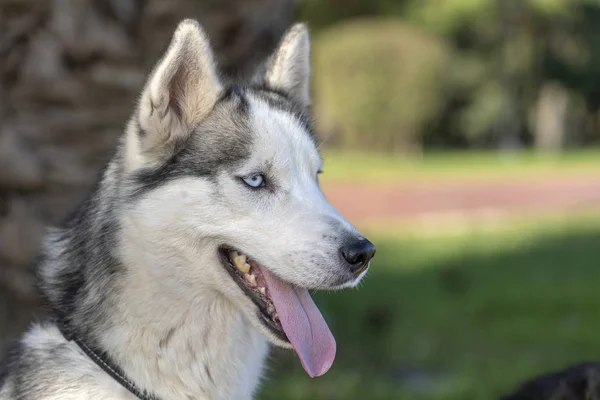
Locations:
{"points": [[198, 245]]}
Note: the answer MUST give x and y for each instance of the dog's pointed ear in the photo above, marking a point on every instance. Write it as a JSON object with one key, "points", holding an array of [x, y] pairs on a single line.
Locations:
{"points": [[288, 69], [181, 91]]}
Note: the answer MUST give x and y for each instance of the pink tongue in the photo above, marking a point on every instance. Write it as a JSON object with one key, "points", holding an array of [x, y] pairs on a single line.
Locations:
{"points": [[303, 324]]}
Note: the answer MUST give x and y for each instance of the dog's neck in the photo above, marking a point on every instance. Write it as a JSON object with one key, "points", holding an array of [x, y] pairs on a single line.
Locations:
{"points": [[204, 349], [176, 339], [185, 340]]}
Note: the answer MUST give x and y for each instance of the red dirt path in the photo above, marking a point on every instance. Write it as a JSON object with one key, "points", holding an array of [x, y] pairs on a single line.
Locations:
{"points": [[400, 202]]}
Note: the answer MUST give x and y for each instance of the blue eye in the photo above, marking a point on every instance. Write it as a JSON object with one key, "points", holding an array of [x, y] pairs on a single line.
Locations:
{"points": [[255, 181]]}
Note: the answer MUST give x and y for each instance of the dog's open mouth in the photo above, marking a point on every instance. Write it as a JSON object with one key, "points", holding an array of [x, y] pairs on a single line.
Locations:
{"points": [[286, 310], [247, 274]]}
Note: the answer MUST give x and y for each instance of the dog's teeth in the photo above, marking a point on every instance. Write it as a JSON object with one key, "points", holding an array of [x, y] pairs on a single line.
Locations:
{"points": [[262, 291], [270, 308], [275, 317], [233, 254], [241, 264], [251, 279]]}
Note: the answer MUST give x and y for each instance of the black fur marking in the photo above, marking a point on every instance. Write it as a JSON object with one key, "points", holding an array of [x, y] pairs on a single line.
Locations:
{"points": [[73, 282], [95, 267], [205, 152], [151, 178], [236, 94], [86, 267]]}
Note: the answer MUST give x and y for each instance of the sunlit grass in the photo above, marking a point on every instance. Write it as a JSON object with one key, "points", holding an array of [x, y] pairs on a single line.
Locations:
{"points": [[463, 165], [460, 316]]}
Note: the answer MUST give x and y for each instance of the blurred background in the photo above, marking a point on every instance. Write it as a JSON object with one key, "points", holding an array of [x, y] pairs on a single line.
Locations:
{"points": [[461, 135]]}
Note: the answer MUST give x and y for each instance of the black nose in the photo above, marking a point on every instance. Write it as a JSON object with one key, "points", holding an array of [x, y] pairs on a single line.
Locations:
{"points": [[358, 254]]}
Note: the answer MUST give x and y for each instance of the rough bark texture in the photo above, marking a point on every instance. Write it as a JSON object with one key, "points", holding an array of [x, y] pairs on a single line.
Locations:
{"points": [[70, 71]]}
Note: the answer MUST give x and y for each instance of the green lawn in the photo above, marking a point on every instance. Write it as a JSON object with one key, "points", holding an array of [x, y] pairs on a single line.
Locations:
{"points": [[464, 165], [465, 316]]}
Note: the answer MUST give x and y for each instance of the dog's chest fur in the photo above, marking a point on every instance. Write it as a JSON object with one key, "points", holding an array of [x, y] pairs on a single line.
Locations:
{"points": [[196, 361], [209, 349]]}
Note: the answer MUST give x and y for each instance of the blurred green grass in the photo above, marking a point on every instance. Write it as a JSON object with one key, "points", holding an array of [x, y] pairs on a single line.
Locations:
{"points": [[459, 316], [353, 166]]}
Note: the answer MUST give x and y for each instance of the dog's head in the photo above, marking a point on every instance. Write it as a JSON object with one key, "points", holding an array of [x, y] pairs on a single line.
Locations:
{"points": [[225, 182]]}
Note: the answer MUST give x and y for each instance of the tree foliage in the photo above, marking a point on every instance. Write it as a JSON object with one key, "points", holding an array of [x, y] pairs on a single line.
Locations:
{"points": [[502, 54], [378, 82]]}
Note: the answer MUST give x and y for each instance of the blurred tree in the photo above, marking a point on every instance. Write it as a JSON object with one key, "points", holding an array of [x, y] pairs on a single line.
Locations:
{"points": [[69, 75], [522, 47], [505, 53], [378, 83], [322, 13]]}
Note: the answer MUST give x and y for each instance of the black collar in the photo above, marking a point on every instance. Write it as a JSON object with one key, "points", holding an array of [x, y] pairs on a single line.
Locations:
{"points": [[103, 361]]}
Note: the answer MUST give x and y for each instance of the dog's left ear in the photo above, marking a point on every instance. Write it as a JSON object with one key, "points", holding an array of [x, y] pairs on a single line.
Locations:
{"points": [[288, 69], [180, 93]]}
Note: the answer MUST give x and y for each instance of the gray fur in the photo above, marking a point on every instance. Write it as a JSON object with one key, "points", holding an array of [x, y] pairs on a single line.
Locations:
{"points": [[134, 270]]}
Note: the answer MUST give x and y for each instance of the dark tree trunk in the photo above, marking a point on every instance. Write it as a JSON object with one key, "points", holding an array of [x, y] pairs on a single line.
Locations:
{"points": [[70, 71]]}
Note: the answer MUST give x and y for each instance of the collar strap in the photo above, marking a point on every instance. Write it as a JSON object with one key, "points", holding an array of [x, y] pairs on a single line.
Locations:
{"points": [[103, 361]]}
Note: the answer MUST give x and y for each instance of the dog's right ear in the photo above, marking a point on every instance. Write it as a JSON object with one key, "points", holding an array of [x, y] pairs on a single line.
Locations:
{"points": [[181, 91], [288, 68]]}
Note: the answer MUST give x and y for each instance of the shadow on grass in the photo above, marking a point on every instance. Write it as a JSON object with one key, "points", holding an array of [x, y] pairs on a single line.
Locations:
{"points": [[472, 326]]}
